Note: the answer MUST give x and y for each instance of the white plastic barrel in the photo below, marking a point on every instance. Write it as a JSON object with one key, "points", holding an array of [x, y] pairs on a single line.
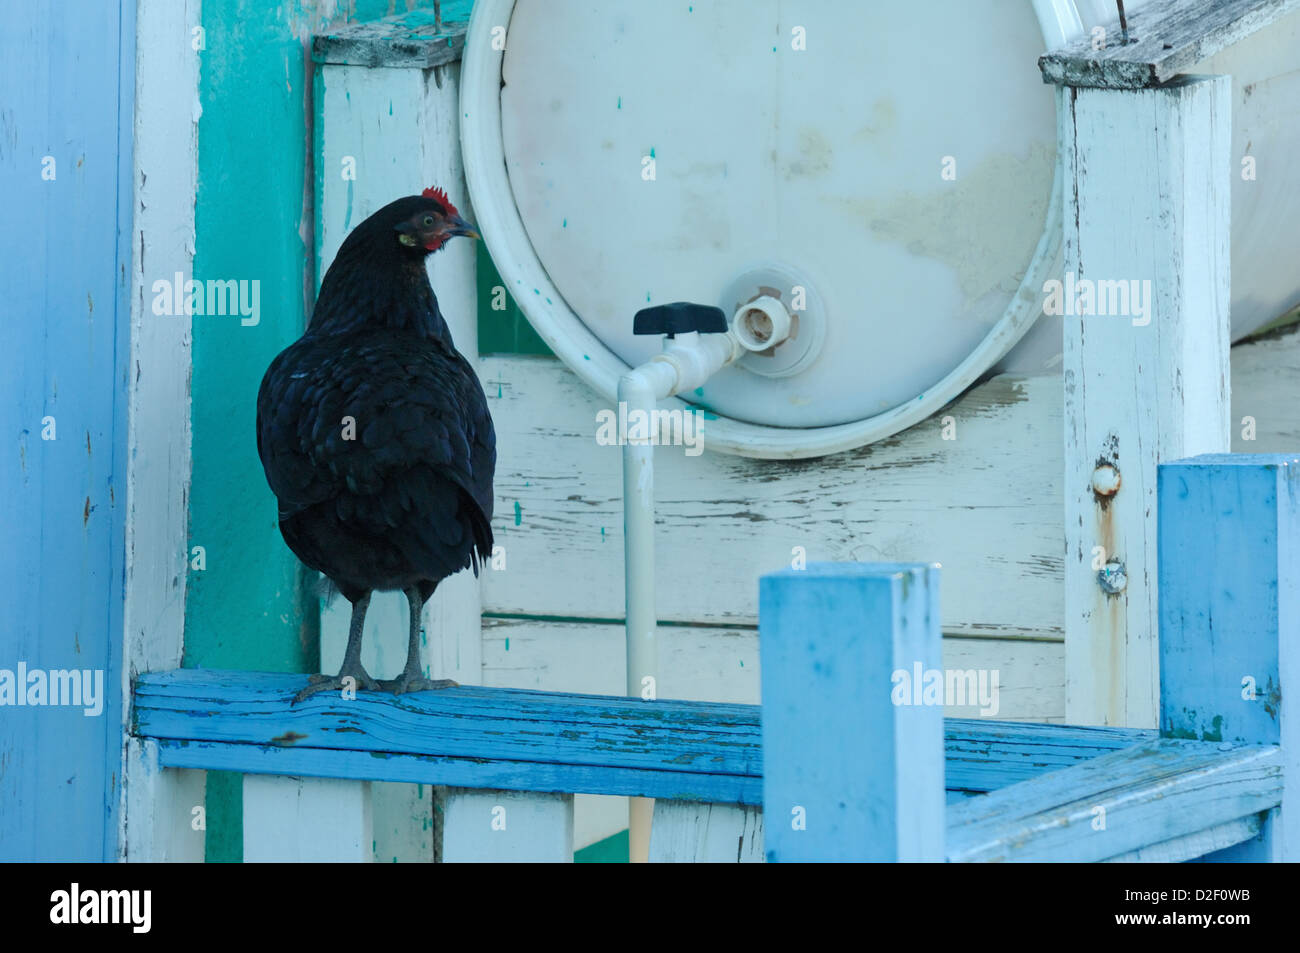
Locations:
{"points": [[886, 169]]}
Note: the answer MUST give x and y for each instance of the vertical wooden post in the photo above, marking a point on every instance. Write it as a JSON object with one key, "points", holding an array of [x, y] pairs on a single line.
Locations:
{"points": [[1230, 616], [317, 820], [688, 832], [1146, 192], [853, 760], [158, 820], [164, 811], [507, 827]]}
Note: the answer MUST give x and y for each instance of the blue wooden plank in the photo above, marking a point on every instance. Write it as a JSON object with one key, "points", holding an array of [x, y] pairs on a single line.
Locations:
{"points": [[981, 756], [1151, 793], [468, 721], [67, 71], [854, 760], [1229, 544], [230, 717], [486, 773]]}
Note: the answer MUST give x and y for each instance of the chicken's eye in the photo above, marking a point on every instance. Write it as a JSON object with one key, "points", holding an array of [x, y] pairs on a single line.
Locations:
{"points": [[428, 221]]}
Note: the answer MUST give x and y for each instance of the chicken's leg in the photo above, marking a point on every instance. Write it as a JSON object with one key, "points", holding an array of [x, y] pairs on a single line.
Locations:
{"points": [[351, 660], [412, 679]]}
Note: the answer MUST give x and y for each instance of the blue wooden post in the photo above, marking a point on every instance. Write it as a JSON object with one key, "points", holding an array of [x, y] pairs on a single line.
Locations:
{"points": [[1229, 545], [68, 75], [853, 756]]}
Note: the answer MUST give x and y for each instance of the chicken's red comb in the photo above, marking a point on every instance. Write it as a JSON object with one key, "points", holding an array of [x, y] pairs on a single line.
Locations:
{"points": [[441, 196]]}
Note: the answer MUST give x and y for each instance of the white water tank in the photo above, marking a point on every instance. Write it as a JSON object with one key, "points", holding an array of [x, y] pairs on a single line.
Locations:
{"points": [[886, 169]]}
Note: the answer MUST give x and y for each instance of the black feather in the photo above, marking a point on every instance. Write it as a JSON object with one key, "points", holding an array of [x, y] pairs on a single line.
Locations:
{"points": [[407, 501]]}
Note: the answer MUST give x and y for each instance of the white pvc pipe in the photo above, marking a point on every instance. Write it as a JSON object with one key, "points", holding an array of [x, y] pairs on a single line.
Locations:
{"points": [[686, 362], [639, 389]]}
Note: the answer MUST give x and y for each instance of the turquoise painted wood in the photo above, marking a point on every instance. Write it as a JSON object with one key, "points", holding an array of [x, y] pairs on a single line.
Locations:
{"points": [[1230, 614], [532, 741], [67, 72], [854, 759]]}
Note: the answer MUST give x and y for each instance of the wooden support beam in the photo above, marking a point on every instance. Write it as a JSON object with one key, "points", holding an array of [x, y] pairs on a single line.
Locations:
{"points": [[1117, 803], [1230, 615], [525, 740], [1167, 37], [841, 644], [1145, 296]]}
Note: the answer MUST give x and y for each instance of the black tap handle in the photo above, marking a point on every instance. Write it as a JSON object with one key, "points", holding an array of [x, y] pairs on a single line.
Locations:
{"points": [[680, 317]]}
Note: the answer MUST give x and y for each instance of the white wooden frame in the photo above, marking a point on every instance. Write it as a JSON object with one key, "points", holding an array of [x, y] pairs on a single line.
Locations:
{"points": [[161, 811]]}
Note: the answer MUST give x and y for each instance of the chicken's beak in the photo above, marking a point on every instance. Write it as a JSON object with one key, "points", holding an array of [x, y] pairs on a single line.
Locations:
{"points": [[461, 227]]}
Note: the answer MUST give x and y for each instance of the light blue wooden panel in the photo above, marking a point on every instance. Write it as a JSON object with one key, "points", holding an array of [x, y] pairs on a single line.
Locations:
{"points": [[1230, 613], [850, 774], [67, 73]]}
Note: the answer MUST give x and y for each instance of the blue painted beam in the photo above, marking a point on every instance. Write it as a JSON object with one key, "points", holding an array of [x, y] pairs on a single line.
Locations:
{"points": [[531, 741], [854, 757], [487, 773], [982, 756], [467, 721], [1153, 793], [1229, 544]]}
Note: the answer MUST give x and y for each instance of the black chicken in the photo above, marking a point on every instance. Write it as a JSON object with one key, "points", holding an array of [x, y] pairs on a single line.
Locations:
{"points": [[374, 432]]}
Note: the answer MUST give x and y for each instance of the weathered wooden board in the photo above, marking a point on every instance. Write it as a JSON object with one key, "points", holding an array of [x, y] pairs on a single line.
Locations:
{"points": [[1146, 361], [1116, 803], [727, 519], [508, 739], [306, 820], [460, 772], [413, 40], [687, 832], [67, 72], [1230, 612], [506, 827], [156, 804], [1166, 37], [164, 817], [254, 709], [708, 663], [1197, 845], [998, 533]]}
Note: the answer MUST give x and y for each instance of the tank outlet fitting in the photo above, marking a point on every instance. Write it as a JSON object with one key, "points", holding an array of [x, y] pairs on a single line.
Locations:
{"points": [[761, 324]]}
